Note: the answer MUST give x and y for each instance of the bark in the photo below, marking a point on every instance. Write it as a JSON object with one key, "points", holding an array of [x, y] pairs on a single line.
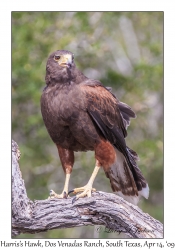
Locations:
{"points": [[102, 208]]}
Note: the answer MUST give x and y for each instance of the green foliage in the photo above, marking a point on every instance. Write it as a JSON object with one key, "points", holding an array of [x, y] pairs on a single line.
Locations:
{"points": [[123, 50]]}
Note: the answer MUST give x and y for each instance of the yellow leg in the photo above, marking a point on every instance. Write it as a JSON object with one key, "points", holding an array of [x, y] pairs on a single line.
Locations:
{"points": [[87, 189], [64, 194]]}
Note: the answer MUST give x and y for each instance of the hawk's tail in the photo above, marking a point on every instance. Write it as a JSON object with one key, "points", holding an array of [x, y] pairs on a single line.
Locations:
{"points": [[126, 178]]}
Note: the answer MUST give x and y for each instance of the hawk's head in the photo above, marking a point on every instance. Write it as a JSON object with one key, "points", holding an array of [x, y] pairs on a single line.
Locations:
{"points": [[60, 66], [61, 59]]}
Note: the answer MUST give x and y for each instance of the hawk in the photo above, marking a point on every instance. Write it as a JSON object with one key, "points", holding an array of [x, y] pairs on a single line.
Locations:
{"points": [[80, 114]]}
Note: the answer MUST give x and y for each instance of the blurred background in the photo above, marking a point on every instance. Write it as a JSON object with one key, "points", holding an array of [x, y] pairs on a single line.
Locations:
{"points": [[123, 50]]}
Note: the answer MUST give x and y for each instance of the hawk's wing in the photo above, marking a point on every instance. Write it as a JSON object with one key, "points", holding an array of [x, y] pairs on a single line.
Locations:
{"points": [[111, 116], [125, 110]]}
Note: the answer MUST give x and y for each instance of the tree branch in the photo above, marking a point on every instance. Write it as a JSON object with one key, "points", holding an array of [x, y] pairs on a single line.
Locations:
{"points": [[101, 209]]}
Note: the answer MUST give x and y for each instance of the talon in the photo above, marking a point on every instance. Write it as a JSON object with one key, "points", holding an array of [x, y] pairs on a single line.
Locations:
{"points": [[51, 191], [84, 191], [71, 191], [58, 196], [52, 194], [74, 199], [65, 195]]}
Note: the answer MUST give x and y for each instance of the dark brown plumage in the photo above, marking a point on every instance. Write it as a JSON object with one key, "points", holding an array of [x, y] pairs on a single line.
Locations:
{"points": [[81, 114]]}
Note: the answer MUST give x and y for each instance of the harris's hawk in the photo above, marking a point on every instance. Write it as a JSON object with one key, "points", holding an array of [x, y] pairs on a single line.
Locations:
{"points": [[81, 114]]}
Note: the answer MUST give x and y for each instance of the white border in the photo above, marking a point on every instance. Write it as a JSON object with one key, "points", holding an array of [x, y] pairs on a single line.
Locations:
{"points": [[5, 93]]}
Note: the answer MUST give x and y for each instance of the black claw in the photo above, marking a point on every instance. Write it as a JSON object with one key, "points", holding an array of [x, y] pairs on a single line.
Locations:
{"points": [[65, 195], [51, 192], [74, 199], [71, 191]]}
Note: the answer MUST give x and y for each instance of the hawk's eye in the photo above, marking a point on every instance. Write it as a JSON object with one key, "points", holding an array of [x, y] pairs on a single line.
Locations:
{"points": [[56, 58], [72, 57]]}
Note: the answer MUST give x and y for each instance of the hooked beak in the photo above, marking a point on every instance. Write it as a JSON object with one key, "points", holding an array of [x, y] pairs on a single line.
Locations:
{"points": [[66, 61]]}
